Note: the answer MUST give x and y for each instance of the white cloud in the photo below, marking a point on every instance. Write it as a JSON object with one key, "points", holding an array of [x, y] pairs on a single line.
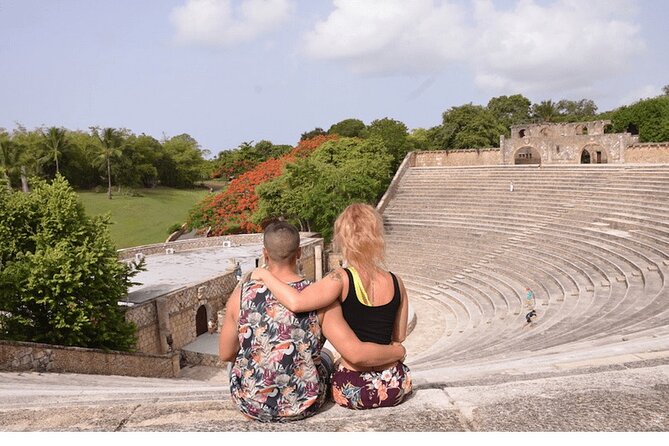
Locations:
{"points": [[220, 23], [389, 36], [567, 44], [563, 45]]}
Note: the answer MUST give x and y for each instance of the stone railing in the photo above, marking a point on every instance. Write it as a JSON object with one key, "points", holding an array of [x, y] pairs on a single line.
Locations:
{"points": [[29, 356], [187, 245], [394, 184]]}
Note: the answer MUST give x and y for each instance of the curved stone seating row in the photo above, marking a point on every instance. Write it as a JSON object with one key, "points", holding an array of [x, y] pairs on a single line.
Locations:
{"points": [[518, 284], [591, 242], [611, 280]]}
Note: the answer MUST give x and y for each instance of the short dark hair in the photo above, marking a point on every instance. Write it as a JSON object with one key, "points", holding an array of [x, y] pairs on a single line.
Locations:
{"points": [[281, 240]]}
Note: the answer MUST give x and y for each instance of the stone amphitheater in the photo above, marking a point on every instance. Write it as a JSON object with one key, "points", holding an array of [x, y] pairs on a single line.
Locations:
{"points": [[591, 241]]}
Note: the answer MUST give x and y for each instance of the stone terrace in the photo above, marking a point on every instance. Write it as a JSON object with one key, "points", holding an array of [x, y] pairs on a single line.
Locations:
{"points": [[591, 241]]}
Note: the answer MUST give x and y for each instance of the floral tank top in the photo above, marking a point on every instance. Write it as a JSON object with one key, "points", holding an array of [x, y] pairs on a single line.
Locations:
{"points": [[275, 376]]}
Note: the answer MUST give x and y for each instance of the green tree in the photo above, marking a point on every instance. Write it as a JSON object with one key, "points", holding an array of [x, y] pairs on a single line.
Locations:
{"points": [[30, 151], [135, 167], [665, 90], [545, 111], [395, 137], [60, 281], [349, 128], [8, 158], [467, 127], [55, 142], [649, 118], [314, 190], [510, 110], [315, 132], [183, 163], [580, 110], [110, 147]]}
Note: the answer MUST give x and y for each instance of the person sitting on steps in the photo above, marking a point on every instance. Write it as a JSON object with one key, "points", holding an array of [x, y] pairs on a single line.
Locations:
{"points": [[281, 371], [374, 303]]}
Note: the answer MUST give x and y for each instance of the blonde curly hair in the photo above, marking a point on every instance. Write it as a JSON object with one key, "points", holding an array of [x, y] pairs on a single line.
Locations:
{"points": [[359, 236]]}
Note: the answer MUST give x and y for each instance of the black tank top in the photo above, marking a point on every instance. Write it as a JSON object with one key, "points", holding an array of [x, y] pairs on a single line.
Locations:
{"points": [[371, 324]]}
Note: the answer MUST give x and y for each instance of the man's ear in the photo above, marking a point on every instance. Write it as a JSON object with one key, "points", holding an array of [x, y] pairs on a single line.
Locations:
{"points": [[298, 253], [265, 256]]}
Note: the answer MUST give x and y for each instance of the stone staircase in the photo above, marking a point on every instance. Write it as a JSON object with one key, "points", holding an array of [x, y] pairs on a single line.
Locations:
{"points": [[591, 241]]}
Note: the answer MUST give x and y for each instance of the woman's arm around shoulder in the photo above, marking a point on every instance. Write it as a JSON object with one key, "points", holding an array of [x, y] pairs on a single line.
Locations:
{"points": [[318, 295]]}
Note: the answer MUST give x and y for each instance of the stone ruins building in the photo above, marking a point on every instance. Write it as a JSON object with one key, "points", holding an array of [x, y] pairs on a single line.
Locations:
{"points": [[565, 143]]}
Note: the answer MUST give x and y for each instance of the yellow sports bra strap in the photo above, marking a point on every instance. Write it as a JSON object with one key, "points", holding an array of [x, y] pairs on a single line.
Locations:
{"points": [[359, 289]]}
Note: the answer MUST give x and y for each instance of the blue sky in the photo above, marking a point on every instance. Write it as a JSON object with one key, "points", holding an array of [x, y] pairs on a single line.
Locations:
{"points": [[229, 71]]}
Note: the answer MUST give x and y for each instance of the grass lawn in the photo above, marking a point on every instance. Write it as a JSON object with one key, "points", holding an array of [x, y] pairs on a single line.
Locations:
{"points": [[143, 220]]}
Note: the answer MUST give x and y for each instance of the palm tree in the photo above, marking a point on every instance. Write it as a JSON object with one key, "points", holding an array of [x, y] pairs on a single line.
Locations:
{"points": [[546, 111], [7, 158], [110, 139], [13, 162], [55, 140]]}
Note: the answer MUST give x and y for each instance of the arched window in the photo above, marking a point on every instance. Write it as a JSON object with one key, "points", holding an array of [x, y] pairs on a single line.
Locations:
{"points": [[585, 157], [521, 133]]}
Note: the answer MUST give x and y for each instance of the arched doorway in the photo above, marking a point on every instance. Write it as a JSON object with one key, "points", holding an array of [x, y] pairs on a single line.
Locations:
{"points": [[201, 326], [594, 154], [527, 155]]}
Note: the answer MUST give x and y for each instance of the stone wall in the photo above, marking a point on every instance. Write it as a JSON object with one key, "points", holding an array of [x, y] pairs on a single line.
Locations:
{"points": [[656, 153], [469, 157], [203, 359], [180, 308], [28, 356], [564, 143], [167, 323]]}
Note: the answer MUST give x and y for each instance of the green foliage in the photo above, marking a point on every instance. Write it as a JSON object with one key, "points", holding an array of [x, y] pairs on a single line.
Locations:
{"points": [[395, 137], [60, 280], [468, 126], [545, 111], [349, 128], [649, 117], [233, 163], [54, 143], [510, 110], [564, 111], [174, 228], [314, 190], [183, 164], [315, 132]]}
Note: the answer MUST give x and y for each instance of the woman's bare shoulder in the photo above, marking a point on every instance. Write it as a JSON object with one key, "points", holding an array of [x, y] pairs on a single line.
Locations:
{"points": [[337, 274]]}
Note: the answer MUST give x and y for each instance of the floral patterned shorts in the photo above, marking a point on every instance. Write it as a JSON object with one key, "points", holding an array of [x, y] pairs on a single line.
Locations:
{"points": [[368, 390]]}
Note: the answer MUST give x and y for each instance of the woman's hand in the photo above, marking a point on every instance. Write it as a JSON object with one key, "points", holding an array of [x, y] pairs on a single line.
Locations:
{"points": [[258, 274]]}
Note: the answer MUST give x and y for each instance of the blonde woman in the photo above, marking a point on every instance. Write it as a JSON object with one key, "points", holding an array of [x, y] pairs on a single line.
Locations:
{"points": [[373, 302]]}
